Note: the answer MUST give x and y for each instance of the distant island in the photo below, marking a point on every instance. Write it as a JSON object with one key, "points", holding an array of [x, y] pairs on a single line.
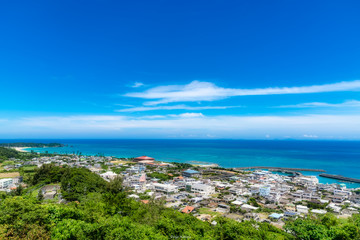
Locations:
{"points": [[31, 145]]}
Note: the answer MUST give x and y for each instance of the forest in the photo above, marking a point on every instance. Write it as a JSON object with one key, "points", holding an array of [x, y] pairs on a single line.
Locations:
{"points": [[32, 145]]}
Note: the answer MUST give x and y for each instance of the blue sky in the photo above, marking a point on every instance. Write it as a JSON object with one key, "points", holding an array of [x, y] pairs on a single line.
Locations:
{"points": [[180, 69]]}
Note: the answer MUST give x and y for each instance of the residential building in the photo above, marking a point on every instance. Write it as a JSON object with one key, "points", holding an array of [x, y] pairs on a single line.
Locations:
{"points": [[6, 182]]}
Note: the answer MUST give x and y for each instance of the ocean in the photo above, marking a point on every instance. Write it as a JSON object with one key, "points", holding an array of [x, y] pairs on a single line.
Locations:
{"points": [[336, 157]]}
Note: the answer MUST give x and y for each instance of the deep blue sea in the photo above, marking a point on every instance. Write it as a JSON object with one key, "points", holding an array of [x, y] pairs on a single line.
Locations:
{"points": [[336, 157]]}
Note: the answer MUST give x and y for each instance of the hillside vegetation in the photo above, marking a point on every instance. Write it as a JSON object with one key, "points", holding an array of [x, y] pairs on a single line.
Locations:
{"points": [[32, 145], [97, 209]]}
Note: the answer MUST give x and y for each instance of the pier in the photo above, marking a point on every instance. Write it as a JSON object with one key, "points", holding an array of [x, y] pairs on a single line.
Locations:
{"points": [[279, 169], [339, 177]]}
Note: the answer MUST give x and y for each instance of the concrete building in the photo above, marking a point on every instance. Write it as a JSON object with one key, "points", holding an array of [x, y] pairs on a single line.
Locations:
{"points": [[165, 188], [6, 182], [203, 189], [191, 173], [302, 209], [264, 191]]}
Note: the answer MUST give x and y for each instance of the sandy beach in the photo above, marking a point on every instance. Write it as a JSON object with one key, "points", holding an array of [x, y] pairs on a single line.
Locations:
{"points": [[20, 149]]}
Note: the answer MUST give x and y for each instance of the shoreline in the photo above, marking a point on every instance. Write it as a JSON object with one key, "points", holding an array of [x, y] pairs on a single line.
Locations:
{"points": [[20, 149], [206, 164]]}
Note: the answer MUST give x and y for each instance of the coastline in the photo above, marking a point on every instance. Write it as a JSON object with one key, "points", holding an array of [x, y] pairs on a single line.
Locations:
{"points": [[230, 154], [20, 149]]}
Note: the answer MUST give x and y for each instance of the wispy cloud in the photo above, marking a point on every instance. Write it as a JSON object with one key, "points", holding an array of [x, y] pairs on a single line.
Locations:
{"points": [[309, 136], [189, 124], [137, 84], [182, 115], [350, 103], [187, 115], [175, 107], [207, 91]]}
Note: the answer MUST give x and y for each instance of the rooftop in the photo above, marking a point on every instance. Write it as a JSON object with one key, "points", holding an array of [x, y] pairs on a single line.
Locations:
{"points": [[191, 171]]}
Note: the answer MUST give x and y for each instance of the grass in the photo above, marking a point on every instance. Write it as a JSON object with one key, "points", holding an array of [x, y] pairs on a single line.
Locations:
{"points": [[119, 162], [29, 168], [8, 163], [9, 175], [35, 189], [208, 211]]}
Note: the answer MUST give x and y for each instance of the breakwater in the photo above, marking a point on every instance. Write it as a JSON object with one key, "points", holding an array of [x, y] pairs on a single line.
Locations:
{"points": [[280, 169], [339, 177]]}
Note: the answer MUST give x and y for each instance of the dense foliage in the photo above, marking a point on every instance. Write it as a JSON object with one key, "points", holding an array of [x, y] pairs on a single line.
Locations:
{"points": [[6, 153], [97, 209], [32, 145], [161, 176], [75, 182], [325, 227], [180, 166], [102, 210]]}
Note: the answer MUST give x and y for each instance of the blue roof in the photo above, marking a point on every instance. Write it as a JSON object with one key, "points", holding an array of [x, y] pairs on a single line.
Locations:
{"points": [[191, 171], [290, 213], [275, 215]]}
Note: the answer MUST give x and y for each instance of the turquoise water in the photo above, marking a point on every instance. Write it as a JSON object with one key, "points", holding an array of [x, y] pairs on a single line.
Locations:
{"points": [[336, 157]]}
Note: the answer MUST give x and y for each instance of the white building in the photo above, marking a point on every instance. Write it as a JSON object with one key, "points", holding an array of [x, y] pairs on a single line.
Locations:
{"points": [[302, 209], [166, 188], [202, 189], [308, 180], [4, 183], [108, 175], [264, 191]]}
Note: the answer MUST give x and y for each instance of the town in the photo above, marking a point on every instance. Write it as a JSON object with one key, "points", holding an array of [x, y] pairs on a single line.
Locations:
{"points": [[205, 191]]}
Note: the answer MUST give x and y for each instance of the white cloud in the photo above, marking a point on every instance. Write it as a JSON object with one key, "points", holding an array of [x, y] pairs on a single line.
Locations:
{"points": [[207, 91], [187, 115], [182, 115], [196, 124], [350, 103], [175, 107], [137, 84], [309, 136]]}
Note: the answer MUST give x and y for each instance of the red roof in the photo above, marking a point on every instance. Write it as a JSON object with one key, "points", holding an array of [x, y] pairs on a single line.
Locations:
{"points": [[144, 158], [188, 209]]}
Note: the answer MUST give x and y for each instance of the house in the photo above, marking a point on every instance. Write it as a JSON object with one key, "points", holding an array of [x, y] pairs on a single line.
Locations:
{"points": [[334, 208], [302, 209], [318, 211], [235, 190], [188, 209], [137, 182], [202, 189], [229, 198], [308, 180], [109, 175], [136, 169], [223, 208], [249, 216], [190, 173], [290, 207], [264, 191], [165, 188], [6, 182], [248, 208], [338, 198], [275, 216], [289, 214], [237, 202]]}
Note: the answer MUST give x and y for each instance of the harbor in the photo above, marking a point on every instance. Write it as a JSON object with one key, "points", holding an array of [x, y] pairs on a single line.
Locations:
{"points": [[280, 169], [339, 177]]}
